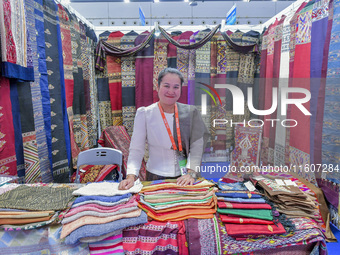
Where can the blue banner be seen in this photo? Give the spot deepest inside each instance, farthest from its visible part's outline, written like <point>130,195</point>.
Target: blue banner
<point>141,16</point>
<point>231,16</point>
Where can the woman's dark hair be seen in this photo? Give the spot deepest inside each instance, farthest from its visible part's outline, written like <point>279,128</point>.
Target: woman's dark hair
<point>170,70</point>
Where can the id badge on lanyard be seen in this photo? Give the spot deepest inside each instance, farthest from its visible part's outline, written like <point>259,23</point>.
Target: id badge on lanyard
<point>182,160</point>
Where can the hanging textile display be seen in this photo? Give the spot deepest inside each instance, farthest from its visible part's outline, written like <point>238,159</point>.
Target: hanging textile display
<point>85,108</point>
<point>318,37</point>
<point>183,64</point>
<point>115,80</point>
<point>191,71</point>
<point>299,141</point>
<point>172,50</point>
<point>267,152</point>
<point>65,28</point>
<point>60,166</point>
<point>292,44</point>
<point>128,82</point>
<point>280,132</point>
<point>104,104</point>
<point>144,71</point>
<point>91,113</point>
<point>7,149</point>
<point>277,41</point>
<point>159,62</point>
<point>202,73</point>
<point>330,131</point>
<point>16,62</point>
<point>19,150</point>
<point>78,105</point>
<point>321,99</point>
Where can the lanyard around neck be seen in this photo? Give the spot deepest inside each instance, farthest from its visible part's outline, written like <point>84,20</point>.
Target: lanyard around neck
<point>180,148</point>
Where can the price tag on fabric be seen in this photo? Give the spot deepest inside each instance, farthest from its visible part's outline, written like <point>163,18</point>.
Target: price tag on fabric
<point>249,186</point>
<point>280,182</point>
<point>290,183</point>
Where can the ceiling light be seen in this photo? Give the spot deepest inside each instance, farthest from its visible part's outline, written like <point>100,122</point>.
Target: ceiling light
<point>186,1</point>
<point>193,3</point>
<point>156,1</point>
<point>126,1</point>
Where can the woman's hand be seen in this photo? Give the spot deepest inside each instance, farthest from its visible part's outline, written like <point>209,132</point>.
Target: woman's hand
<point>186,179</point>
<point>128,182</point>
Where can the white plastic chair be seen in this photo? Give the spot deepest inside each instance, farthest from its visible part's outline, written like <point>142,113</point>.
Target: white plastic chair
<point>100,156</point>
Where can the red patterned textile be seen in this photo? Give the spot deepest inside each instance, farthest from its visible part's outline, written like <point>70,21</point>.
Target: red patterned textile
<point>299,140</point>
<point>144,72</point>
<point>114,70</point>
<point>243,206</point>
<point>241,230</point>
<point>159,62</point>
<point>117,137</point>
<point>247,146</point>
<point>155,238</point>
<point>68,75</point>
<point>268,98</point>
<point>183,64</point>
<point>239,220</point>
<point>8,163</point>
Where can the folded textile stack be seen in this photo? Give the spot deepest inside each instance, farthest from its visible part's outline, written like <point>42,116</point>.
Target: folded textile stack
<point>166,201</point>
<point>246,213</point>
<point>100,211</point>
<point>31,206</point>
<point>289,200</point>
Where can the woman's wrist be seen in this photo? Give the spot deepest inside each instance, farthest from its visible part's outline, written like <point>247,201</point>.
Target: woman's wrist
<point>131,176</point>
<point>192,173</point>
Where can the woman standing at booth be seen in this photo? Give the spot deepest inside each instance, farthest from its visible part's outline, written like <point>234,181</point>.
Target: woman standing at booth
<point>175,134</point>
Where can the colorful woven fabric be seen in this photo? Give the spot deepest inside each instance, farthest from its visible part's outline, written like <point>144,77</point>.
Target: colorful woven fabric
<point>318,38</point>
<point>183,64</point>
<point>257,214</point>
<point>241,230</point>
<point>115,80</point>
<point>59,139</point>
<point>300,135</point>
<point>330,145</point>
<point>243,220</point>
<point>7,141</point>
<point>280,132</point>
<point>36,198</point>
<point>109,245</point>
<point>94,220</point>
<point>243,206</point>
<point>16,60</point>
<point>102,229</point>
<point>210,237</point>
<point>117,137</point>
<point>144,72</point>
<point>155,238</point>
<point>247,146</point>
<point>128,82</point>
<point>321,100</point>
<point>159,63</point>
<point>39,240</point>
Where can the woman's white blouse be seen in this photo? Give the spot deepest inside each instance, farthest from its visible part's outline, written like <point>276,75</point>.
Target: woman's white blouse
<point>149,128</point>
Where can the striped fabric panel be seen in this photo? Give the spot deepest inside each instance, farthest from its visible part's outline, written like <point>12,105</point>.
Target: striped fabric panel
<point>110,245</point>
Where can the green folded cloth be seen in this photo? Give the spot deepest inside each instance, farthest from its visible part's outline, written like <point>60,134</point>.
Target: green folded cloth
<point>249,213</point>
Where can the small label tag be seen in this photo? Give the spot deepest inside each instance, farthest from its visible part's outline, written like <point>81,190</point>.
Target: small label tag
<point>290,183</point>
<point>280,182</point>
<point>249,186</point>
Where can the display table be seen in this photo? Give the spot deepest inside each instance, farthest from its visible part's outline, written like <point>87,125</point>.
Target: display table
<point>199,236</point>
